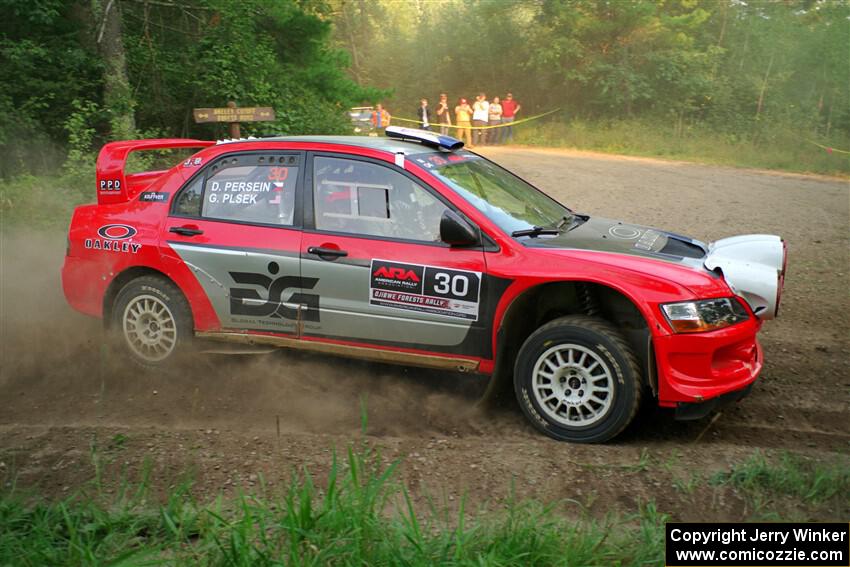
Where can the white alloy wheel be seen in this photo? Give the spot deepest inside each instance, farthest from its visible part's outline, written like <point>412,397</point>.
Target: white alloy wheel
<point>573,385</point>
<point>149,328</point>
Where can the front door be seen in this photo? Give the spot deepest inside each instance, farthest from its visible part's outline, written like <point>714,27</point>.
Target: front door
<point>235,226</point>
<point>382,274</point>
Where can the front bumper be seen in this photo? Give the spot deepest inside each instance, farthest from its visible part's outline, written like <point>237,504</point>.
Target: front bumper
<point>697,367</point>
<point>686,411</point>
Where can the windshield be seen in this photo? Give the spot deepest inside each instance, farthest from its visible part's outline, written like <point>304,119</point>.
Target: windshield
<point>506,199</point>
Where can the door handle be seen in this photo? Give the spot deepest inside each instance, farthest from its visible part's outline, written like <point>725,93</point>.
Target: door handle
<point>186,230</point>
<point>327,253</point>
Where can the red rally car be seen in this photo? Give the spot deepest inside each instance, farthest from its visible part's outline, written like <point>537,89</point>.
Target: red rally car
<point>411,250</point>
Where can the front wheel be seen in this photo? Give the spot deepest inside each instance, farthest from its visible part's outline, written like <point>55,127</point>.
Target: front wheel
<point>152,320</point>
<point>578,380</point>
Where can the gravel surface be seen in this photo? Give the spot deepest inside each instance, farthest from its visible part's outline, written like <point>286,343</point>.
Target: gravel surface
<point>248,422</point>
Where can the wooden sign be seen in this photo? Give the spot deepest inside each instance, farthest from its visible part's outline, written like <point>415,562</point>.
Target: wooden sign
<point>232,114</point>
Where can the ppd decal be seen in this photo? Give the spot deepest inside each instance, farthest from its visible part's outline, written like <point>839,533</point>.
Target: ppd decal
<point>114,238</point>
<point>248,302</point>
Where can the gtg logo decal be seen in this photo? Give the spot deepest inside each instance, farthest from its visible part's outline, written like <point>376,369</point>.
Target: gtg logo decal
<point>247,302</point>
<point>116,232</point>
<point>114,238</point>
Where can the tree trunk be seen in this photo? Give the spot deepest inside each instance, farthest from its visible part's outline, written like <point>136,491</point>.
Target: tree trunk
<point>829,119</point>
<point>352,42</point>
<point>117,94</point>
<point>764,87</point>
<point>725,11</point>
<point>744,50</point>
<point>722,35</point>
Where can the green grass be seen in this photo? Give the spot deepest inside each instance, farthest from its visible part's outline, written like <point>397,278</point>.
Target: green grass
<point>359,516</point>
<point>791,477</point>
<point>43,202</point>
<point>777,148</point>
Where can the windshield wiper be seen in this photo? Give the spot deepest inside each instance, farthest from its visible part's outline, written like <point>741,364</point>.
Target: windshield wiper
<point>535,231</point>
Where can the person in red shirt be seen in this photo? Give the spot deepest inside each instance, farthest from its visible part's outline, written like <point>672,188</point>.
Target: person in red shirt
<point>510,108</point>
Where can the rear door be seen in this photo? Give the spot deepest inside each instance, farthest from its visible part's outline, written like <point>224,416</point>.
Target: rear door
<point>384,278</point>
<point>237,226</point>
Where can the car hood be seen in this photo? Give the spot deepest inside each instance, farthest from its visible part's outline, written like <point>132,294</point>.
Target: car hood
<point>753,265</point>
<point>606,235</point>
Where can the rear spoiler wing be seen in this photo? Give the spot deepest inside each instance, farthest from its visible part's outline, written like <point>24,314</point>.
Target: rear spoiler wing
<point>113,185</point>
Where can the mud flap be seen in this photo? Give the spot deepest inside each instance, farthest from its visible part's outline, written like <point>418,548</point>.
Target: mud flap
<point>500,389</point>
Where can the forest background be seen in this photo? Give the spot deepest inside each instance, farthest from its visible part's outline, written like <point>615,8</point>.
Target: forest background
<point>751,83</point>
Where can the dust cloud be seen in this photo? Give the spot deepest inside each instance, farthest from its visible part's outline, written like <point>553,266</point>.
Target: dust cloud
<point>57,367</point>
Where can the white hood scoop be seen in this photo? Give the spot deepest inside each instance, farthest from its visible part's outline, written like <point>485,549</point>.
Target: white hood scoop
<point>754,267</point>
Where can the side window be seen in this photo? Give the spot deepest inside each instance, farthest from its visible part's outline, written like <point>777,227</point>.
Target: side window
<point>188,202</point>
<point>364,198</point>
<point>248,190</point>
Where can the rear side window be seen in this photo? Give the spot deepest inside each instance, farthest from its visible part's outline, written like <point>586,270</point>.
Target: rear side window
<point>262,193</point>
<point>188,202</point>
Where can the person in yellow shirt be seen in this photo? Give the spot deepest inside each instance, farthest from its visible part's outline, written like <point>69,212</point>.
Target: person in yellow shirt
<point>463,117</point>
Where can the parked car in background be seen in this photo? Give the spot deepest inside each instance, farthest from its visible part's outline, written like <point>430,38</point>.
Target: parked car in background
<point>361,119</point>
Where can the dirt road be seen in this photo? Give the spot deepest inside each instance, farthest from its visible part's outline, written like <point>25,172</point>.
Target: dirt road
<point>238,421</point>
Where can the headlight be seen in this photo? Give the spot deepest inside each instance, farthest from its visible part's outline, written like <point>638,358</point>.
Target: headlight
<point>707,315</point>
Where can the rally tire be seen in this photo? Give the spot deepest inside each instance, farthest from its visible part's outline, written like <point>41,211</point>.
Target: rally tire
<point>577,379</point>
<point>151,322</point>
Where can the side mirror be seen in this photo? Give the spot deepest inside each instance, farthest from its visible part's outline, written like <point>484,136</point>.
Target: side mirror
<point>454,230</point>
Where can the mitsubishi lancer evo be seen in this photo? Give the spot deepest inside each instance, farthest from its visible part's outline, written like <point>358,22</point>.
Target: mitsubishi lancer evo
<point>409,249</point>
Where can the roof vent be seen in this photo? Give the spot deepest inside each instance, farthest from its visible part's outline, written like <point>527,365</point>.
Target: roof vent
<point>424,137</point>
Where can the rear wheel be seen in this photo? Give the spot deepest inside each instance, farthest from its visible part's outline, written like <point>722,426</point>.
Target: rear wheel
<point>152,320</point>
<point>578,380</point>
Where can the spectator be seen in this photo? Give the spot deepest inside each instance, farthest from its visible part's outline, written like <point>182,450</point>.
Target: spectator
<point>424,114</point>
<point>510,108</point>
<point>463,114</point>
<point>495,118</point>
<point>480,115</point>
<point>380,118</point>
<point>444,116</point>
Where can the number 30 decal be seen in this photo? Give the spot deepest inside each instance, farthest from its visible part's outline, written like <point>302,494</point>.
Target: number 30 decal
<point>446,284</point>
<point>425,289</point>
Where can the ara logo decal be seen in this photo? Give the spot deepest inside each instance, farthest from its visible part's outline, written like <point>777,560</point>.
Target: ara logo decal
<point>114,238</point>
<point>248,302</point>
<point>396,274</point>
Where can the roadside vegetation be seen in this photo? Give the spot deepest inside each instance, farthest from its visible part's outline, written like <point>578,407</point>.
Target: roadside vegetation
<point>360,516</point>
<point>765,482</point>
<point>363,514</point>
<point>782,150</point>
<point>720,81</point>
<point>753,84</point>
